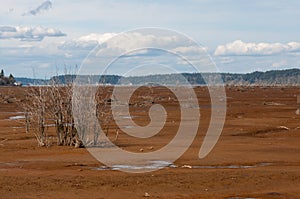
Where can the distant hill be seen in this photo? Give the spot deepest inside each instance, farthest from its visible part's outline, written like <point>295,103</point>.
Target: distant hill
<point>274,77</point>
<point>31,81</point>
<point>107,79</point>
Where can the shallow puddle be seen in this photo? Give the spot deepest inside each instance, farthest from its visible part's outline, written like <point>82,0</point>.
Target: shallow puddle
<point>153,165</point>
<point>18,117</point>
<point>231,166</point>
<point>128,127</point>
<point>239,198</point>
<point>166,164</point>
<point>12,112</point>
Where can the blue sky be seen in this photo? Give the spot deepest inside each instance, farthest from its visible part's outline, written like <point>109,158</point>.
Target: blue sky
<point>38,37</point>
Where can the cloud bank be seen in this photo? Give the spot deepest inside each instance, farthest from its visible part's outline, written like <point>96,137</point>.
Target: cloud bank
<point>24,33</point>
<point>121,42</point>
<point>87,42</point>
<point>241,48</point>
<point>43,7</point>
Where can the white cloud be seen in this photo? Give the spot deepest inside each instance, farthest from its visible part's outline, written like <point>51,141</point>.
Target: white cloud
<point>294,46</point>
<point>86,42</point>
<point>25,33</point>
<point>190,49</point>
<point>100,38</point>
<point>78,45</point>
<point>156,44</point>
<point>126,41</point>
<point>239,47</point>
<point>43,7</point>
<point>135,48</point>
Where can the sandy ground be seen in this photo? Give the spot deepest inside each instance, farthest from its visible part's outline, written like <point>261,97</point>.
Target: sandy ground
<point>254,158</point>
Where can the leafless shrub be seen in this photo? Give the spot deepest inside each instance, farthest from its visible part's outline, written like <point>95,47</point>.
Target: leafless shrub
<point>48,106</point>
<point>51,107</point>
<point>35,114</point>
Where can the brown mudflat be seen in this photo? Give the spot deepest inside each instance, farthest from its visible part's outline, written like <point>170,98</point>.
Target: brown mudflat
<point>257,156</point>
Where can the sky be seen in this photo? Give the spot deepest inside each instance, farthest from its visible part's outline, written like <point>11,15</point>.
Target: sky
<point>41,38</point>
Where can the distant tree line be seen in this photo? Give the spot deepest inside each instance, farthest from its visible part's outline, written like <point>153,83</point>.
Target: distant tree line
<point>274,77</point>
<point>6,81</point>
